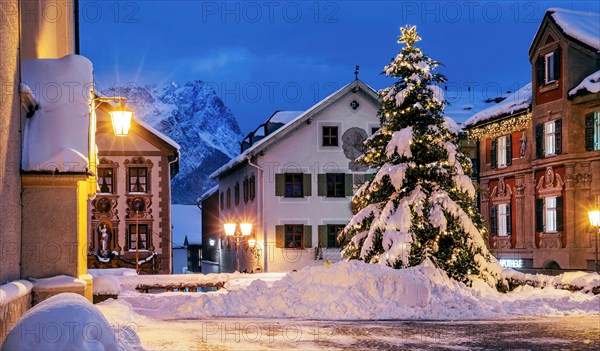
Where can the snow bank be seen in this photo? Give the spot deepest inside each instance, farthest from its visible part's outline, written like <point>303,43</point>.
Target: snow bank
<point>106,285</point>
<point>14,290</point>
<point>56,136</point>
<point>517,101</point>
<point>356,291</point>
<point>63,322</point>
<point>590,83</point>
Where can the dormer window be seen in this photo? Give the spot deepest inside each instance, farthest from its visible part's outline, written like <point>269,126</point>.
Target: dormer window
<point>549,68</point>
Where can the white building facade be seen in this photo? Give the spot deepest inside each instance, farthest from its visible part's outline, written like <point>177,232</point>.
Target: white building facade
<point>295,184</point>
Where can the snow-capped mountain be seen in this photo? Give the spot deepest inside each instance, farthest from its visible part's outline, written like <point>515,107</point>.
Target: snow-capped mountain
<point>196,118</point>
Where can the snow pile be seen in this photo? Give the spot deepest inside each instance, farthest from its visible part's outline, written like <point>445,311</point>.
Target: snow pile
<point>356,291</point>
<point>111,271</point>
<point>56,136</point>
<point>106,285</point>
<point>583,26</point>
<point>517,101</point>
<point>14,290</point>
<point>591,83</point>
<point>63,322</point>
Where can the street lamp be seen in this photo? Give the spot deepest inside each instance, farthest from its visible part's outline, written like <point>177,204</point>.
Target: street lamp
<point>120,116</point>
<point>231,230</point>
<point>595,223</point>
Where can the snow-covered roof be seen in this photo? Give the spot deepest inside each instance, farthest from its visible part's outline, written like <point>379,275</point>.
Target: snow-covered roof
<point>56,136</point>
<point>589,84</point>
<point>582,26</point>
<point>162,136</point>
<point>515,102</point>
<point>261,144</point>
<point>284,116</point>
<point>208,193</point>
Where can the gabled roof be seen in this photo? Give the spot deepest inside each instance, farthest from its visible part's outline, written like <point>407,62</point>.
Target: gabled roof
<point>208,193</point>
<point>300,121</point>
<point>581,27</point>
<point>516,102</point>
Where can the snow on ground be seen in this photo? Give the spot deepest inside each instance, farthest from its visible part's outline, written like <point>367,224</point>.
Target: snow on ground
<point>65,322</point>
<point>359,291</point>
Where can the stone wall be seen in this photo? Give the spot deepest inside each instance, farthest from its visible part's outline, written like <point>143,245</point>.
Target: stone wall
<point>12,309</point>
<point>10,148</point>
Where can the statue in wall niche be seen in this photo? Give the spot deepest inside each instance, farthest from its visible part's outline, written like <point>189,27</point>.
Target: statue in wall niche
<point>523,141</point>
<point>352,144</point>
<point>104,239</point>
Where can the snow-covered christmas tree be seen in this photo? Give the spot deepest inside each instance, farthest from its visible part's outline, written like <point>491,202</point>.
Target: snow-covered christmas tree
<point>421,203</point>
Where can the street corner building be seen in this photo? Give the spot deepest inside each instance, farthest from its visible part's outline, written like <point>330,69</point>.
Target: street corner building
<point>293,181</point>
<point>130,215</point>
<point>56,163</point>
<point>539,150</point>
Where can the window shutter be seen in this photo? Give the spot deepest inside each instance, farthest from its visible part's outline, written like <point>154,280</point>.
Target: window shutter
<point>493,152</point>
<point>307,236</point>
<point>589,132</point>
<point>369,177</point>
<point>323,235</point>
<point>557,64</point>
<point>539,215</point>
<point>279,184</point>
<point>280,236</point>
<point>306,185</point>
<point>559,214</point>
<point>348,184</point>
<point>509,149</point>
<point>322,184</point>
<point>508,220</point>
<point>558,136</point>
<point>540,70</point>
<point>493,221</point>
<point>539,141</point>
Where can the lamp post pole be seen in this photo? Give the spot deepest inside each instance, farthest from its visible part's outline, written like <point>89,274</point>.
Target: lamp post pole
<point>597,237</point>
<point>594,216</point>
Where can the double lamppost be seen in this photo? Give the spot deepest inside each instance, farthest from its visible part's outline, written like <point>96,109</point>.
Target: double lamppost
<point>594,216</point>
<point>233,230</point>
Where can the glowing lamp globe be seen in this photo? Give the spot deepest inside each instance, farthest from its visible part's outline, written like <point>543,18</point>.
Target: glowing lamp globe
<point>594,218</point>
<point>229,229</point>
<point>246,228</point>
<point>121,119</point>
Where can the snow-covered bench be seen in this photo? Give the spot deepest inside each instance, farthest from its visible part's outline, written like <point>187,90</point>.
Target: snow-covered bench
<point>187,286</point>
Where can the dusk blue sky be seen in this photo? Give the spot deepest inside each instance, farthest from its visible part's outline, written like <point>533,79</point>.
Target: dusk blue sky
<point>267,56</point>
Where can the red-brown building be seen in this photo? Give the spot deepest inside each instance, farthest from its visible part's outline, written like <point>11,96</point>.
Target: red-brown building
<point>539,150</point>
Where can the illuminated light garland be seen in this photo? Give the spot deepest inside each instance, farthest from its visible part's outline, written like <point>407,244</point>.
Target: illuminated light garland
<point>501,127</point>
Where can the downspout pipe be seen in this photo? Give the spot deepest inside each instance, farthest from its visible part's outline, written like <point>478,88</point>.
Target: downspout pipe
<point>260,205</point>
